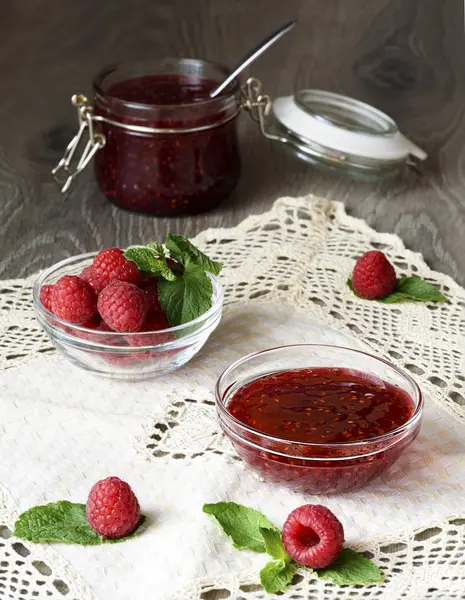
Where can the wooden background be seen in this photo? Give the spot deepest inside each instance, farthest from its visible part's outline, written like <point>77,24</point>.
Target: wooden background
<point>404,56</point>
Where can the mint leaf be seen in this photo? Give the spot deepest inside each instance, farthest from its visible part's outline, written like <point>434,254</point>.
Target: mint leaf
<point>241,523</point>
<point>277,575</point>
<point>419,289</point>
<point>395,298</point>
<point>150,261</point>
<point>187,254</point>
<point>409,289</point>
<point>56,522</point>
<point>61,521</point>
<point>157,248</point>
<point>273,543</point>
<point>186,298</point>
<point>350,568</point>
<point>351,287</point>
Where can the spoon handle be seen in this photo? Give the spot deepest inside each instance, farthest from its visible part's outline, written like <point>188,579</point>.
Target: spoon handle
<point>252,55</point>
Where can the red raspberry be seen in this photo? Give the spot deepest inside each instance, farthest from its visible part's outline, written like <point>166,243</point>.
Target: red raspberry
<point>373,276</point>
<point>313,536</point>
<point>126,360</point>
<point>97,283</point>
<point>73,300</point>
<point>175,266</point>
<point>151,291</point>
<point>154,322</point>
<point>112,265</point>
<point>123,306</point>
<point>96,325</point>
<point>112,508</point>
<point>46,296</point>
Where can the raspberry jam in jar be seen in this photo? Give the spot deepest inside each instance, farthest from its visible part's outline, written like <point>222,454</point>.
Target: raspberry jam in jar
<point>321,429</point>
<point>169,148</point>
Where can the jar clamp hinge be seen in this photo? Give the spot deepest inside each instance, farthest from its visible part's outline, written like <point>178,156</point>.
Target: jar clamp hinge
<point>259,106</point>
<point>63,173</point>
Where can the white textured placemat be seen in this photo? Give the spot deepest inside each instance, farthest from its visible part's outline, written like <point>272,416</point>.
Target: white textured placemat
<point>62,429</point>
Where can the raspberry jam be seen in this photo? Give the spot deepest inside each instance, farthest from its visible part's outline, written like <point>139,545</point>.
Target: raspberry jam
<point>191,163</point>
<point>317,429</point>
<point>321,406</point>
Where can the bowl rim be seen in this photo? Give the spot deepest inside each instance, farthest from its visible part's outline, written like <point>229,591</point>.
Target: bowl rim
<point>218,297</point>
<point>412,421</point>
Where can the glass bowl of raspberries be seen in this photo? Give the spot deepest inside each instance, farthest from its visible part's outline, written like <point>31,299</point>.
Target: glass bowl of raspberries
<point>122,318</point>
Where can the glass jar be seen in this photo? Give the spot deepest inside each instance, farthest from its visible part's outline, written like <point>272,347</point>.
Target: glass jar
<point>169,149</point>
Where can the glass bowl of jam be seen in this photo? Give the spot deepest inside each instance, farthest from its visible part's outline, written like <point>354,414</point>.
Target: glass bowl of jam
<point>125,356</point>
<point>318,419</point>
<point>169,149</point>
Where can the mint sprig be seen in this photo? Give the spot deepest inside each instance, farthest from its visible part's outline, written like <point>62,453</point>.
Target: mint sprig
<point>187,297</point>
<point>273,542</point>
<point>418,289</point>
<point>409,289</point>
<point>249,529</point>
<point>351,567</point>
<point>241,523</point>
<point>157,248</point>
<point>184,289</point>
<point>62,521</point>
<point>277,575</point>
<point>151,261</point>
<point>187,254</point>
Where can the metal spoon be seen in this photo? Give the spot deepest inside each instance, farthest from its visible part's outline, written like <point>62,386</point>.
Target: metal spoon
<point>252,55</point>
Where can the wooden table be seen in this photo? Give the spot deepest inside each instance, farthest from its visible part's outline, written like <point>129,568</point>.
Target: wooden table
<point>404,56</point>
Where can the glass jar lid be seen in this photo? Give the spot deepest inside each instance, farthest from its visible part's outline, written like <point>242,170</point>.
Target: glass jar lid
<point>342,132</point>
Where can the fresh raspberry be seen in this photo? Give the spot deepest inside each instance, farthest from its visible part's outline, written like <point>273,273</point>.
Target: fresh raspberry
<point>46,296</point>
<point>123,306</point>
<point>95,326</point>
<point>313,536</point>
<point>96,323</point>
<point>126,360</point>
<point>112,508</point>
<point>73,299</point>
<point>175,266</point>
<point>112,265</point>
<point>153,323</point>
<point>98,283</point>
<point>153,303</point>
<point>373,276</point>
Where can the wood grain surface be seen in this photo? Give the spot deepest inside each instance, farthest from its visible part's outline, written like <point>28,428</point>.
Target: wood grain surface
<point>404,56</point>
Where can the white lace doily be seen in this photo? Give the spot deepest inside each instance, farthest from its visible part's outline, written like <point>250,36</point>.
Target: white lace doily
<point>62,429</point>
